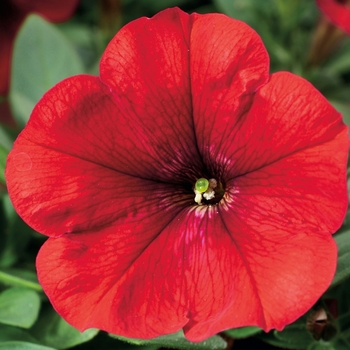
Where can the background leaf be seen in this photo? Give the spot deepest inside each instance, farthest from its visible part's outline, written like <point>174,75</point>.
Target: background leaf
<point>10,333</point>
<point>42,57</point>
<point>322,346</point>
<point>19,307</point>
<point>3,156</point>
<point>178,341</point>
<point>243,332</point>
<point>344,109</point>
<point>343,266</point>
<point>5,138</point>
<point>17,235</point>
<point>18,345</point>
<point>294,336</point>
<point>20,278</point>
<point>53,330</point>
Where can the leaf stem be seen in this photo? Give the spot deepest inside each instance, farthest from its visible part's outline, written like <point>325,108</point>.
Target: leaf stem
<point>11,280</point>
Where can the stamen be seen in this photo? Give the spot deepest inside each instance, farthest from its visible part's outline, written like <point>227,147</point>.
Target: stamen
<point>209,194</point>
<point>198,197</point>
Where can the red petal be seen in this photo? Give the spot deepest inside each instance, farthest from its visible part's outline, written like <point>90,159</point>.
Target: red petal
<point>337,13</point>
<point>307,188</point>
<point>126,279</point>
<point>226,71</point>
<point>274,273</point>
<point>280,257</point>
<point>64,173</point>
<point>82,118</point>
<point>153,287</point>
<point>279,218</point>
<point>206,270</point>
<point>56,193</point>
<point>146,66</point>
<point>287,115</point>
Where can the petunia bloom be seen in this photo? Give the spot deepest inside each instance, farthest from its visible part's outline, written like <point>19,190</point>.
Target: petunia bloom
<point>337,12</point>
<point>108,167</point>
<point>13,13</point>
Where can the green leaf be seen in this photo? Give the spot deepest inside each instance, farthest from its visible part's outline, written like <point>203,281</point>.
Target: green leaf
<point>272,340</point>
<point>341,344</point>
<point>9,333</point>
<point>20,278</point>
<point>339,63</point>
<point>343,267</point>
<point>239,9</point>
<point>6,137</point>
<point>19,307</point>
<point>344,109</point>
<point>52,330</point>
<point>3,223</point>
<point>19,345</point>
<point>344,325</point>
<point>295,336</point>
<point>22,105</point>
<point>42,57</point>
<point>243,332</point>
<point>17,238</point>
<point>281,25</point>
<point>3,156</point>
<point>321,345</point>
<point>342,341</point>
<point>178,341</point>
<point>341,292</point>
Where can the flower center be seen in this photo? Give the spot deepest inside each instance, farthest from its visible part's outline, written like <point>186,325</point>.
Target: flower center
<point>208,191</point>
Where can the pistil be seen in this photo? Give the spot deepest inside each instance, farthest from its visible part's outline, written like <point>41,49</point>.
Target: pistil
<point>204,188</point>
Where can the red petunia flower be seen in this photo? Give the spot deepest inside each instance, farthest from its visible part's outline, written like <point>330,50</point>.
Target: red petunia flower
<point>337,12</point>
<point>107,167</point>
<point>13,13</point>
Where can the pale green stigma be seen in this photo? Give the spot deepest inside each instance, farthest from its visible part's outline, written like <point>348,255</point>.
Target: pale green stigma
<point>204,188</point>
<point>201,185</point>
